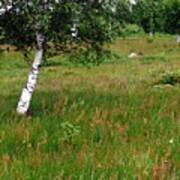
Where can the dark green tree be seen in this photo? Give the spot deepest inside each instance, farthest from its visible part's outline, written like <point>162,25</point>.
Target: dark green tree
<point>149,15</point>
<point>172,16</point>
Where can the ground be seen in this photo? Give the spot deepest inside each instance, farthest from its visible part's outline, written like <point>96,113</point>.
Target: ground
<point>118,120</point>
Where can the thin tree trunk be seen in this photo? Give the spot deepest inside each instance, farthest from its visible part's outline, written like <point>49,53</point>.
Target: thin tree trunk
<point>151,35</point>
<point>27,92</point>
<point>178,38</point>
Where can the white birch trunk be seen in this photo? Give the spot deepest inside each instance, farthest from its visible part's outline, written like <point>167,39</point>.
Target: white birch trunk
<point>178,38</point>
<point>27,92</point>
<point>151,34</point>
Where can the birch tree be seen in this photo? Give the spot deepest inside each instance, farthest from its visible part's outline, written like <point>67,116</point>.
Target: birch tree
<point>33,23</point>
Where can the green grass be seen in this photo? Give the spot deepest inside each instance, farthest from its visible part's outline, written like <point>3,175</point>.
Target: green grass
<point>112,121</point>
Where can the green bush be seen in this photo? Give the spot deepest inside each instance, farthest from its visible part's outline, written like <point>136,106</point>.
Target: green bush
<point>132,29</point>
<point>91,57</point>
<point>171,78</point>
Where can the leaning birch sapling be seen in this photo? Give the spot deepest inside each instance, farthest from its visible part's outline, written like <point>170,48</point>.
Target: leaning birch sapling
<point>24,102</point>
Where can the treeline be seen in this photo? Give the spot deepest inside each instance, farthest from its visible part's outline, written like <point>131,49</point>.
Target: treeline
<point>157,15</point>
<point>88,24</point>
<point>96,21</point>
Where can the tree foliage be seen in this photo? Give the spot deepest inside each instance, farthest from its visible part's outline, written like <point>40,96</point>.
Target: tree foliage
<point>172,16</point>
<point>94,21</point>
<point>157,15</point>
<point>148,14</point>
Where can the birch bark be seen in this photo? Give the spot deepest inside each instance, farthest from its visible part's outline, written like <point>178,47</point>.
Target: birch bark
<point>178,38</point>
<point>27,92</point>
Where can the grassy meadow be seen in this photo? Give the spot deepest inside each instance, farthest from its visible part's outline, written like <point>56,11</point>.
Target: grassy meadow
<point>118,120</point>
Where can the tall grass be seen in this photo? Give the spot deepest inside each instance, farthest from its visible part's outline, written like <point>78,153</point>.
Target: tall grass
<point>106,122</point>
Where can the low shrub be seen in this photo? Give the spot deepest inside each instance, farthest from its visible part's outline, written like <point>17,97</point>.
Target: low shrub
<point>171,78</point>
<point>132,29</point>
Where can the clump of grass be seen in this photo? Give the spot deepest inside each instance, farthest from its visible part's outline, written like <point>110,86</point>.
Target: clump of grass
<point>69,131</point>
<point>154,58</point>
<point>171,78</point>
